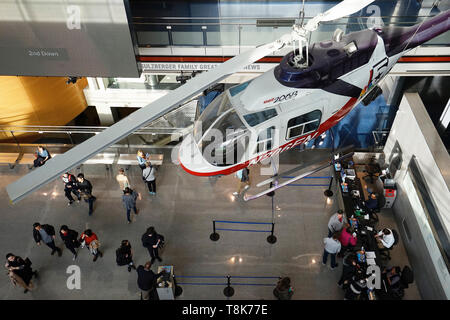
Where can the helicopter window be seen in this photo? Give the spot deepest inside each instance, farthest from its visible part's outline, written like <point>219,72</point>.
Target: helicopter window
<point>226,142</point>
<point>240,87</point>
<point>303,124</point>
<point>256,118</point>
<point>265,140</point>
<point>215,109</point>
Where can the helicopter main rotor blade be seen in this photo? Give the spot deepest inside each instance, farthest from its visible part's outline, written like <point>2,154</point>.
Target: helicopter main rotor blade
<point>340,10</point>
<point>84,151</point>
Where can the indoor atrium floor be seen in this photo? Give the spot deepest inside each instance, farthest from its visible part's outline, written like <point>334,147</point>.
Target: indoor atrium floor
<point>182,211</point>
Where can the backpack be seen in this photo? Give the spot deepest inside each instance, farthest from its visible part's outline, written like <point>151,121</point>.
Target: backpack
<point>120,258</point>
<point>161,241</point>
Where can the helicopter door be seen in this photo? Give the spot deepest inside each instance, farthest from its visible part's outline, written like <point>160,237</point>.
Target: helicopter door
<point>265,140</point>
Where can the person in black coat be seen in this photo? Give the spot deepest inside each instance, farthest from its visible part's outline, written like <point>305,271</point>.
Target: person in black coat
<point>46,234</point>
<point>151,240</point>
<point>124,255</point>
<point>70,186</point>
<point>350,267</point>
<point>85,188</point>
<point>20,271</point>
<point>70,239</point>
<point>147,281</point>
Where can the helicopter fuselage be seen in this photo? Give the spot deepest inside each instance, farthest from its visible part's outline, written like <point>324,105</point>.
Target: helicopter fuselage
<point>288,106</point>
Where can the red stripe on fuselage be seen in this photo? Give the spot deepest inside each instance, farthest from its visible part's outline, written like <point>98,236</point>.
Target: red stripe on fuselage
<point>333,120</point>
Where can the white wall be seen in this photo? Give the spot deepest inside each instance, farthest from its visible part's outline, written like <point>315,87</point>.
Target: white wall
<point>417,136</point>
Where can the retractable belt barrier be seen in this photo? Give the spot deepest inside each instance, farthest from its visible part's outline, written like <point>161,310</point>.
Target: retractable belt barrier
<point>215,236</point>
<point>327,193</point>
<point>228,291</point>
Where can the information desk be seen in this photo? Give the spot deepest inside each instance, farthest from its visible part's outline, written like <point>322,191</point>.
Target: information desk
<point>352,196</point>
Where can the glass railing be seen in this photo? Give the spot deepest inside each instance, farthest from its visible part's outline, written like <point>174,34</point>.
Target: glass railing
<point>164,130</point>
<point>254,32</point>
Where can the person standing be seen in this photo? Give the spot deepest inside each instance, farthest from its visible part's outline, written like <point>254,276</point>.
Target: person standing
<point>332,247</point>
<point>283,290</point>
<point>151,240</point>
<point>347,238</point>
<point>70,239</point>
<point>147,280</point>
<point>142,159</point>
<point>349,269</point>
<point>42,155</point>
<point>70,186</point>
<point>129,201</point>
<point>124,255</point>
<point>90,240</point>
<point>20,271</point>
<point>46,234</point>
<point>122,179</point>
<point>149,177</point>
<point>244,180</point>
<point>85,188</point>
<point>336,222</point>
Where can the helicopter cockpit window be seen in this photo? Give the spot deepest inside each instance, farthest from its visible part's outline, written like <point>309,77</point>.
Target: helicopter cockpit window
<point>350,48</point>
<point>240,87</point>
<point>213,111</point>
<point>303,124</point>
<point>256,118</point>
<point>227,140</point>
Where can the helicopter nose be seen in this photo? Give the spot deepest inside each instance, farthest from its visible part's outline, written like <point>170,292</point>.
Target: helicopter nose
<point>190,157</point>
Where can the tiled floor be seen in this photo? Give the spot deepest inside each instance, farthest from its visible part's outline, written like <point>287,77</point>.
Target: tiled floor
<point>182,211</point>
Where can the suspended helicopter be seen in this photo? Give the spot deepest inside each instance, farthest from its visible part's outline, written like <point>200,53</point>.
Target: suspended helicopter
<point>310,91</point>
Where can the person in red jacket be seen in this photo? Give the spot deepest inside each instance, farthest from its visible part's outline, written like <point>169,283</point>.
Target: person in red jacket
<point>347,238</point>
<point>90,240</point>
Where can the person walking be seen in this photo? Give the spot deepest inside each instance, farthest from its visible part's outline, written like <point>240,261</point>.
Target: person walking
<point>146,280</point>
<point>336,223</point>
<point>124,255</point>
<point>122,179</point>
<point>70,186</point>
<point>46,234</point>
<point>85,188</point>
<point>142,159</point>
<point>332,247</point>
<point>151,240</point>
<point>244,180</point>
<point>129,201</point>
<point>70,239</point>
<point>148,175</point>
<point>20,271</point>
<point>90,240</point>
<point>283,290</point>
<point>42,155</point>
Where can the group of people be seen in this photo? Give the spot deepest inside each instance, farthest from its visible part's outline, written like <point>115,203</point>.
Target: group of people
<point>340,242</point>
<point>21,273</point>
<point>80,187</point>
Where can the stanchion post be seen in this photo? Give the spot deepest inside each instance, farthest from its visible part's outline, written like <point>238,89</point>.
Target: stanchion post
<point>214,236</point>
<point>228,291</point>
<point>272,239</point>
<point>328,193</point>
<point>178,289</point>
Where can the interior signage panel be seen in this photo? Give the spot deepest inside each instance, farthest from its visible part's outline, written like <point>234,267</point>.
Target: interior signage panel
<point>66,38</point>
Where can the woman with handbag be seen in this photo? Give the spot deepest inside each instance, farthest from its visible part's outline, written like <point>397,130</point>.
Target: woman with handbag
<point>148,175</point>
<point>89,239</point>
